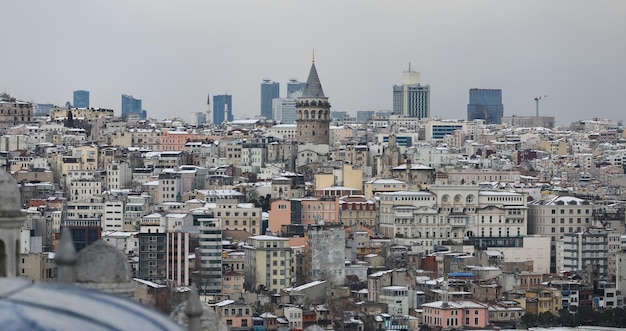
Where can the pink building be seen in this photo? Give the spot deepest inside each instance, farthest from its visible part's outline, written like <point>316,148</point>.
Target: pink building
<point>279,215</point>
<point>456,315</point>
<point>326,209</point>
<point>237,315</point>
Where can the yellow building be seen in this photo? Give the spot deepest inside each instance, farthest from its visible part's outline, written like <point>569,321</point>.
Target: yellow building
<point>558,147</point>
<point>540,300</point>
<point>267,263</point>
<point>324,180</point>
<point>88,114</point>
<point>352,178</point>
<point>383,185</point>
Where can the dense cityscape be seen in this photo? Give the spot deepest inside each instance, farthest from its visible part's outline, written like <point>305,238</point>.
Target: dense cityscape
<point>308,218</point>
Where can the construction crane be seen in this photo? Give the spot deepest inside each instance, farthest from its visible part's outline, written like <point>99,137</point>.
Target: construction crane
<point>537,102</point>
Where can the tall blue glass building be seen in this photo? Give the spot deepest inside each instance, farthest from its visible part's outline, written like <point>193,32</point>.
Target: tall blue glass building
<point>295,87</point>
<point>269,90</point>
<point>485,104</point>
<point>219,101</point>
<point>81,99</point>
<point>132,106</point>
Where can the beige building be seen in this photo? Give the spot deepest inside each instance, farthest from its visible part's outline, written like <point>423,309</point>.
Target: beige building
<point>375,186</point>
<point>267,263</point>
<point>38,267</point>
<point>452,213</point>
<point>14,112</point>
<point>238,216</point>
<point>232,283</point>
<point>88,114</point>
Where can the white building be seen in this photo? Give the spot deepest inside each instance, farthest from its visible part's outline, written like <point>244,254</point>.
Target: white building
<point>451,213</point>
<point>396,298</point>
<point>119,175</point>
<point>113,218</point>
<point>585,251</point>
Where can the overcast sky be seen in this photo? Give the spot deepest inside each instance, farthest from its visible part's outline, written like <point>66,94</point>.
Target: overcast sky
<point>171,54</point>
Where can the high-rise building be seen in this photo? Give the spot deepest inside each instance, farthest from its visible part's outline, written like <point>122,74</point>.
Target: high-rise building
<point>269,90</point>
<point>284,110</point>
<point>313,112</point>
<point>81,99</point>
<point>295,88</point>
<point>411,98</point>
<point>222,104</point>
<point>131,106</point>
<point>485,104</point>
<point>210,250</point>
<point>363,116</point>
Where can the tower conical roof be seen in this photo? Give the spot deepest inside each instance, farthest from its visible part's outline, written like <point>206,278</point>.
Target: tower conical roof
<point>313,87</point>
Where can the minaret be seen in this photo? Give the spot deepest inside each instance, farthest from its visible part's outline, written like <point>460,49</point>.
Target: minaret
<point>226,110</point>
<point>209,119</point>
<point>11,222</point>
<point>313,111</point>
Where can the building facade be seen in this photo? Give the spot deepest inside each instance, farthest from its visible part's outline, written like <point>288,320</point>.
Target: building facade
<point>269,90</point>
<point>485,104</point>
<point>222,109</point>
<point>267,263</point>
<point>411,98</point>
<point>131,107</point>
<point>81,99</point>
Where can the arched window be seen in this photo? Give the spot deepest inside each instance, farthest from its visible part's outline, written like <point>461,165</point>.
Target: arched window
<point>306,114</point>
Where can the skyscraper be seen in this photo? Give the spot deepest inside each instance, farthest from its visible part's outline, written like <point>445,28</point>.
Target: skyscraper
<point>313,112</point>
<point>485,104</point>
<point>81,99</point>
<point>295,88</point>
<point>269,90</point>
<point>219,103</point>
<point>411,98</point>
<point>131,106</point>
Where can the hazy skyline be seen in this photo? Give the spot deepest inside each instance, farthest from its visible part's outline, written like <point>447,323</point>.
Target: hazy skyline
<point>171,54</point>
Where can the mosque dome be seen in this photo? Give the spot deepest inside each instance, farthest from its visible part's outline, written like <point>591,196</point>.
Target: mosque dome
<point>210,321</point>
<point>103,267</point>
<point>28,306</point>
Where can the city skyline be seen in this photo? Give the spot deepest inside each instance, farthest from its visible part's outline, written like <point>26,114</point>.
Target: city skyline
<point>174,55</point>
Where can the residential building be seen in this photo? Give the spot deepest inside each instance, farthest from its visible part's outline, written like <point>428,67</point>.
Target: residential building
<point>152,255</point>
<point>235,314</point>
<point>557,216</point>
<point>14,112</point>
<point>267,263</point>
<point>585,251</point>
<point>396,298</point>
<point>486,105</point>
<point>239,216</point>
<point>210,251</point>
<point>456,314</point>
